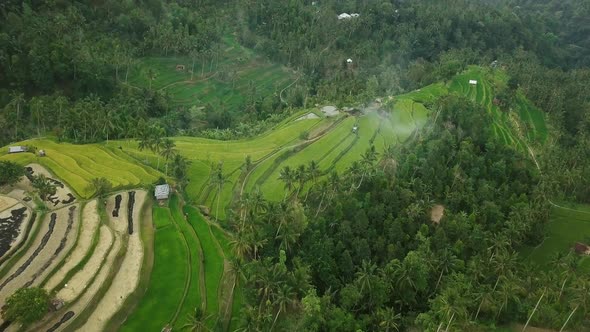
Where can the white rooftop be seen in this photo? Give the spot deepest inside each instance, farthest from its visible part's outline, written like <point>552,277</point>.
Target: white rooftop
<point>15,149</point>
<point>162,190</point>
<point>473,82</point>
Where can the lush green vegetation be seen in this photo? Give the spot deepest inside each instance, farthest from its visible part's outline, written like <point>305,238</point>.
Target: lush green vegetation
<point>330,226</point>
<point>167,280</point>
<point>567,226</point>
<point>78,165</point>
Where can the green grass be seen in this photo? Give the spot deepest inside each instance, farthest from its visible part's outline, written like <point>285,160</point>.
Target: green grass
<point>566,227</point>
<point>77,165</point>
<point>213,259</point>
<point>161,217</point>
<point>166,285</point>
<point>232,77</point>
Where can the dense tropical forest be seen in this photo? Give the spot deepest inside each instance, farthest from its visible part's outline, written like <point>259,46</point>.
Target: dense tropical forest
<point>448,210</point>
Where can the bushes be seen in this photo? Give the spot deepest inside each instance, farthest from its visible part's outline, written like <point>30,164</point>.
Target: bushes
<point>26,306</point>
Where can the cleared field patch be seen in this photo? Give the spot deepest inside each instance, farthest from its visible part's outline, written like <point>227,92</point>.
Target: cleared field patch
<point>78,283</point>
<point>568,224</point>
<point>49,248</point>
<point>77,165</point>
<point>89,225</point>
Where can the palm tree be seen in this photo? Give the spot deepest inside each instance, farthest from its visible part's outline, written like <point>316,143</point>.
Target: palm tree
<point>447,261</point>
<point>301,177</point>
<point>509,291</point>
<point>151,76</point>
<point>36,104</point>
<point>287,235</point>
<point>18,99</point>
<point>534,310</point>
<point>388,160</point>
<point>156,133</point>
<point>503,262</point>
<point>288,177</point>
<point>388,319</point>
<point>241,245</point>
<point>313,170</point>
<point>365,275</point>
<point>197,322</point>
<point>168,151</point>
<point>107,122</point>
<point>580,298</point>
<point>283,298</point>
<point>218,180</point>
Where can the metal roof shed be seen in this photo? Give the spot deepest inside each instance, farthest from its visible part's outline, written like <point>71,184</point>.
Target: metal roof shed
<point>162,192</point>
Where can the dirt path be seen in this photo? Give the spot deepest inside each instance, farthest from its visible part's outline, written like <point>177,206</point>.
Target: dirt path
<point>127,278</point>
<point>282,149</point>
<point>90,222</point>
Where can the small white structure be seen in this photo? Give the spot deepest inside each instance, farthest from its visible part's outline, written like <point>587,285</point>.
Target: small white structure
<point>42,153</point>
<point>355,129</point>
<point>162,192</point>
<point>17,149</point>
<point>349,61</point>
<point>330,111</point>
<point>345,16</point>
<point>473,82</point>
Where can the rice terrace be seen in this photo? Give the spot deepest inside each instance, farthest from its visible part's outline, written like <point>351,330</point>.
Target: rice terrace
<point>110,262</point>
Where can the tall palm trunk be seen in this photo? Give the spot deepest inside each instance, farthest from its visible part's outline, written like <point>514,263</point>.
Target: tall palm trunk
<point>568,318</point>
<point>217,208</point>
<point>275,320</point>
<point>532,313</point>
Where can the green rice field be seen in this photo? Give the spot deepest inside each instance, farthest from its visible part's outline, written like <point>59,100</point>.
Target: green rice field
<point>227,78</point>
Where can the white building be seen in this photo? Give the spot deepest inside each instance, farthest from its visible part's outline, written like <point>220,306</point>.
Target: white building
<point>344,16</point>
<point>17,149</point>
<point>162,192</point>
<point>473,82</point>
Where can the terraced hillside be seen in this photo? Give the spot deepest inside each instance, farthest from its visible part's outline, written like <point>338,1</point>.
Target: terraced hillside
<point>226,78</point>
<point>77,165</point>
<point>331,143</point>
<point>189,271</point>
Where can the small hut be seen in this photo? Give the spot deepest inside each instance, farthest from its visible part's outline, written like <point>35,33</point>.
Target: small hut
<point>472,82</point>
<point>180,67</point>
<point>42,153</point>
<point>17,149</point>
<point>437,213</point>
<point>162,192</point>
<point>582,249</point>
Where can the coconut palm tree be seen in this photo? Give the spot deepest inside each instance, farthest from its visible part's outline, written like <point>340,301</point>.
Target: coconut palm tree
<point>301,177</point>
<point>168,151</point>
<point>197,322</point>
<point>313,170</point>
<point>388,319</point>
<point>218,180</point>
<point>283,298</point>
<point>509,291</point>
<point>365,275</point>
<point>580,298</point>
<point>288,177</point>
<point>18,100</point>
